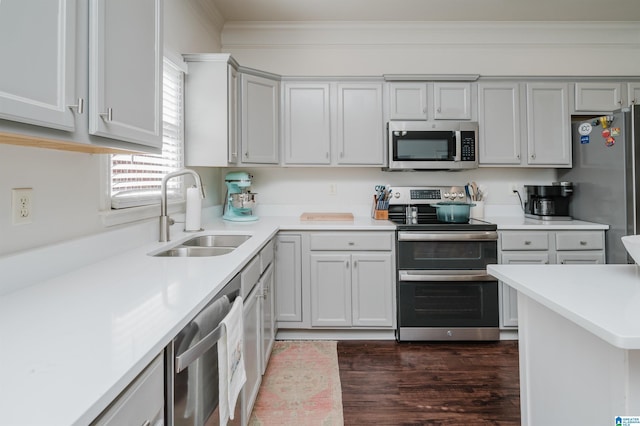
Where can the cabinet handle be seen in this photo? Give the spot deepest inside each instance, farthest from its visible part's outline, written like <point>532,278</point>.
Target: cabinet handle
<point>351,243</point>
<point>107,116</point>
<point>355,263</point>
<point>518,156</point>
<point>79,106</point>
<point>327,155</point>
<point>439,109</point>
<point>342,155</point>
<point>527,243</point>
<point>533,156</point>
<point>347,263</point>
<point>246,154</point>
<point>146,423</point>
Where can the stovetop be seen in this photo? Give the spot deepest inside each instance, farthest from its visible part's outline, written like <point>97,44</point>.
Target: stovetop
<point>423,200</point>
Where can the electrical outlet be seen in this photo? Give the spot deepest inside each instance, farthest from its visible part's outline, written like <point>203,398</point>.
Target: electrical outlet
<point>513,187</point>
<point>22,205</point>
<point>333,188</point>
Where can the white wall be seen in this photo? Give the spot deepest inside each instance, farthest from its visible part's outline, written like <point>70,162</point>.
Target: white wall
<point>67,185</point>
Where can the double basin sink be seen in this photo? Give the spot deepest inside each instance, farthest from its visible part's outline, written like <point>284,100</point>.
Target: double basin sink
<point>205,245</point>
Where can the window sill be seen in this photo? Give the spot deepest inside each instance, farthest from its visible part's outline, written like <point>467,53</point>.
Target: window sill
<point>114,217</point>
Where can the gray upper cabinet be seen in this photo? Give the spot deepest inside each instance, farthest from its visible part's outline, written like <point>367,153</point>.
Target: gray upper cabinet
<point>125,70</point>
<point>37,77</point>
<point>633,91</point>
<point>360,124</point>
<point>524,124</point>
<point>499,123</point>
<point>333,123</point>
<point>307,123</point>
<point>260,106</point>
<point>431,101</point>
<point>211,110</point>
<point>597,97</point>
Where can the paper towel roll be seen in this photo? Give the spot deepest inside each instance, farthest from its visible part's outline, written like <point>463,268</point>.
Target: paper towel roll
<point>194,209</point>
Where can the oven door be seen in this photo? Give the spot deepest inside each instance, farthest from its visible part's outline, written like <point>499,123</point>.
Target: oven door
<point>447,250</point>
<point>446,305</point>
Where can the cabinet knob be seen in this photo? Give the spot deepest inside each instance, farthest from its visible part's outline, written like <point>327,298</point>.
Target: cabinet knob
<point>107,116</point>
<point>533,156</point>
<point>246,154</point>
<point>79,106</point>
<point>583,243</point>
<point>527,243</point>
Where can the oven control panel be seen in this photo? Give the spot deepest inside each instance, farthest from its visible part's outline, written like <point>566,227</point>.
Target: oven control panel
<point>427,195</point>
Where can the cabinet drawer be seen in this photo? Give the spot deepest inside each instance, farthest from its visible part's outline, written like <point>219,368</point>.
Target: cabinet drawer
<point>351,241</point>
<point>580,258</point>
<point>524,240</point>
<point>141,402</point>
<point>266,256</point>
<point>579,240</point>
<point>250,276</point>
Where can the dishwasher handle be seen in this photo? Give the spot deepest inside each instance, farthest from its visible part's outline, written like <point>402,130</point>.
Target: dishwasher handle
<point>417,276</point>
<point>190,355</point>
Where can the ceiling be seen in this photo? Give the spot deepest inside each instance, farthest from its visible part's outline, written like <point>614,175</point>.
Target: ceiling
<point>428,10</point>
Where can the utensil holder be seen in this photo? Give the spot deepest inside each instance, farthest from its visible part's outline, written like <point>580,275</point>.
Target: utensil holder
<point>378,214</point>
<point>477,211</point>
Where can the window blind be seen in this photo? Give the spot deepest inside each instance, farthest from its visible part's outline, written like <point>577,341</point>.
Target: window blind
<point>136,178</point>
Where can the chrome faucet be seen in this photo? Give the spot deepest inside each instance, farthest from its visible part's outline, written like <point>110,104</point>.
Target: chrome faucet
<point>165,220</point>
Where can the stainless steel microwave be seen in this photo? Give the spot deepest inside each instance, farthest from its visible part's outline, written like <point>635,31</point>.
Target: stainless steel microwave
<point>432,145</point>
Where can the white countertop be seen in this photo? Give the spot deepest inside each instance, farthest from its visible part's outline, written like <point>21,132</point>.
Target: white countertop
<point>603,299</point>
<point>72,342</point>
<point>525,223</point>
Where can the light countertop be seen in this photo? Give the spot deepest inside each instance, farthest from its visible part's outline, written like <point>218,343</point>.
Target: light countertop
<point>524,223</point>
<point>603,299</point>
<point>73,341</point>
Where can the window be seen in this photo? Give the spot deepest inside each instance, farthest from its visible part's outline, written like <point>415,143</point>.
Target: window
<point>136,178</point>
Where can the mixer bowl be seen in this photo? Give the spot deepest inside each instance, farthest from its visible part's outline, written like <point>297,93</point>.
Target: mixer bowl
<point>243,200</point>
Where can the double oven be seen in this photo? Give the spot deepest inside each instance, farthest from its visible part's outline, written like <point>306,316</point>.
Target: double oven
<point>443,289</point>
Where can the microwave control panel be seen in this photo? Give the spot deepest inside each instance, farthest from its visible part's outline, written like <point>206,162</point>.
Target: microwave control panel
<point>468,146</point>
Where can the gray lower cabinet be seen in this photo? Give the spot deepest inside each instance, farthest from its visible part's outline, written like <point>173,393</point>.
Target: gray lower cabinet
<point>544,247</point>
<point>252,324</point>
<point>288,278</point>
<point>141,403</point>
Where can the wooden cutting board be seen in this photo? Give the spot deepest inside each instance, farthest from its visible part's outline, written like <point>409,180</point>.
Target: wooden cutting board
<point>325,216</point>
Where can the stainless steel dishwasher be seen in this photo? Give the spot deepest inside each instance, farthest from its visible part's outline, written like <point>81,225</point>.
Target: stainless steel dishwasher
<point>192,365</point>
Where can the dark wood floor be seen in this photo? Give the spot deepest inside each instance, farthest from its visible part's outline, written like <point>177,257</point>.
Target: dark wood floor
<point>429,383</point>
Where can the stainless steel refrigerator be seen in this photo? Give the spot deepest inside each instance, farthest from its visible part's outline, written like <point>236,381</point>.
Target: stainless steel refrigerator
<point>605,176</point>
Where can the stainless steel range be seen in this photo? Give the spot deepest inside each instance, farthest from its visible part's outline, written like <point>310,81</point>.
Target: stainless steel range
<point>443,289</point>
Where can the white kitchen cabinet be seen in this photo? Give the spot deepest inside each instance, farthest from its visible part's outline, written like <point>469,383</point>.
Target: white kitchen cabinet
<point>543,135</point>
<point>431,101</point>
<point>597,97</point>
<point>548,125</point>
<point>499,123</point>
<point>211,110</point>
<point>633,93</point>
<point>125,70</point>
<point>360,124</point>
<point>141,403</point>
<point>38,45</point>
<point>307,123</point>
<point>268,317</point>
<point>252,339</point>
<point>288,278</point>
<point>333,123</point>
<point>351,279</point>
<point>260,122</point>
<point>544,247</point>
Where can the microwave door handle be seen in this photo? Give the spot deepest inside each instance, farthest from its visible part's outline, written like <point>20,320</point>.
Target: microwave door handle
<point>457,157</point>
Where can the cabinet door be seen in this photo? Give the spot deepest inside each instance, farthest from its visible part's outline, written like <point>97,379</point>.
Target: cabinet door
<point>125,70</point>
<point>37,77</point>
<point>598,97</point>
<point>499,123</point>
<point>372,290</point>
<point>330,290</point>
<point>580,257</point>
<point>548,125</point>
<point>408,101</point>
<point>360,124</point>
<point>633,93</point>
<point>233,88</point>
<point>252,323</point>
<point>509,296</point>
<point>307,123</point>
<point>452,101</point>
<point>288,278</point>
<point>260,105</point>
<point>268,319</point>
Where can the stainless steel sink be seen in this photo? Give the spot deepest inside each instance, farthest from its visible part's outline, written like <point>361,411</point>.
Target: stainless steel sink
<point>182,251</point>
<point>216,241</point>
<point>205,245</point>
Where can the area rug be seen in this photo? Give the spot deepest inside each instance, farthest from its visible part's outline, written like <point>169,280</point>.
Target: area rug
<point>301,386</point>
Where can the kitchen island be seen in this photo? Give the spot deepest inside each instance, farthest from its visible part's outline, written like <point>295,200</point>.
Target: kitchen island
<point>579,341</point>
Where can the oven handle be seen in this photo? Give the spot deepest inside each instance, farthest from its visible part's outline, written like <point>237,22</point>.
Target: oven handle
<point>447,236</point>
<point>413,276</point>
